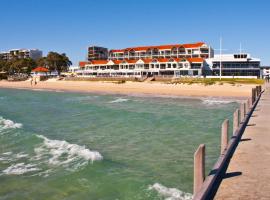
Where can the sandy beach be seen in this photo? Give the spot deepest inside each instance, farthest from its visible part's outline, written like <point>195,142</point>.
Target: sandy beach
<point>144,88</point>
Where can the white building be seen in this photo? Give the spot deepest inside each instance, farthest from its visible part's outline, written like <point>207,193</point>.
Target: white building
<point>234,65</point>
<point>265,71</point>
<point>21,53</point>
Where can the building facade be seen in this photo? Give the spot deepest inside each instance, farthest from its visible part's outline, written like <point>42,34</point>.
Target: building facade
<point>21,53</point>
<point>234,65</point>
<point>97,53</point>
<point>265,71</point>
<point>164,60</point>
<point>196,59</point>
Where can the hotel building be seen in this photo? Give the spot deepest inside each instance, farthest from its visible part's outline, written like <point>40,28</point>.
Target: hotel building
<point>21,53</point>
<point>196,59</point>
<point>173,60</point>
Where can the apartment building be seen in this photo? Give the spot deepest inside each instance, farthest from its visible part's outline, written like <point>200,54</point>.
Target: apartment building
<point>165,60</point>
<point>97,53</point>
<point>21,53</point>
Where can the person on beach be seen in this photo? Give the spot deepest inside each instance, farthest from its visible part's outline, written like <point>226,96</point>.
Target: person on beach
<point>35,80</point>
<point>31,81</point>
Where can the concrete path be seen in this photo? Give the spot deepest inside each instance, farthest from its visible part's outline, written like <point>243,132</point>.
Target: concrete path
<point>248,174</point>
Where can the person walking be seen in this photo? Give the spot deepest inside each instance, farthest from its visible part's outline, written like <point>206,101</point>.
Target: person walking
<point>31,80</point>
<point>35,80</point>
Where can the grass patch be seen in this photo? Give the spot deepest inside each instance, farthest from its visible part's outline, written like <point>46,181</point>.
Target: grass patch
<point>212,81</point>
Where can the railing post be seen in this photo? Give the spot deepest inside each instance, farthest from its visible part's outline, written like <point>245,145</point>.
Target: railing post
<point>224,136</point>
<point>242,114</point>
<point>248,104</point>
<point>235,121</point>
<point>245,109</point>
<point>199,168</point>
<point>253,95</point>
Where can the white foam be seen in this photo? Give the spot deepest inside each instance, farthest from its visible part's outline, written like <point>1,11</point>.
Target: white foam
<point>6,124</point>
<point>119,100</point>
<point>170,193</point>
<point>20,168</point>
<point>216,101</point>
<point>62,152</point>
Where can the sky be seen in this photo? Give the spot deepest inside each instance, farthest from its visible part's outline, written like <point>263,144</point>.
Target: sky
<point>70,26</point>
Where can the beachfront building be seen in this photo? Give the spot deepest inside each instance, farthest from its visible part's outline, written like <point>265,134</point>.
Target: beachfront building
<point>145,67</point>
<point>97,53</point>
<point>194,50</point>
<point>265,71</point>
<point>241,64</point>
<point>196,59</point>
<point>163,60</point>
<point>21,53</point>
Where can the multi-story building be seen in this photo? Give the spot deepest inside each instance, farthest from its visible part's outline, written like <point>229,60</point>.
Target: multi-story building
<point>234,65</point>
<point>173,60</point>
<point>195,50</point>
<point>97,53</point>
<point>21,53</point>
<point>195,59</point>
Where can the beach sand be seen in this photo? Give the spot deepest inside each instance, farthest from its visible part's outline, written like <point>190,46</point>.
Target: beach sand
<point>143,88</point>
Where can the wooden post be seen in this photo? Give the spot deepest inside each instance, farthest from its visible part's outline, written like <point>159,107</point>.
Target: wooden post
<point>242,114</point>
<point>257,91</point>
<point>249,103</point>
<point>253,95</point>
<point>245,109</point>
<point>224,135</point>
<point>235,121</point>
<point>199,168</point>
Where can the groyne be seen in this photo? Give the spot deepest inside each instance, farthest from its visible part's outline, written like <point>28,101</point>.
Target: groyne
<point>205,187</point>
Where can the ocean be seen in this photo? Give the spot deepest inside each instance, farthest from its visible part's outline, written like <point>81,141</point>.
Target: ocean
<point>58,145</point>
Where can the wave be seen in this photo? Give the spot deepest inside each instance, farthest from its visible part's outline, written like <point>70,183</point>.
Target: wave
<point>7,124</point>
<point>216,101</point>
<point>62,152</point>
<point>20,168</point>
<point>119,100</point>
<point>170,193</point>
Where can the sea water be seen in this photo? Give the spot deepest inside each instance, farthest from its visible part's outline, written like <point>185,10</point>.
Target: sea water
<point>56,145</point>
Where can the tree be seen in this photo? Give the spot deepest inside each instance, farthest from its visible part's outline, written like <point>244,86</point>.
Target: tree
<point>58,62</point>
<point>42,62</point>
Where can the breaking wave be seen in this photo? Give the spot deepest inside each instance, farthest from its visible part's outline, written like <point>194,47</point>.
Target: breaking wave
<point>170,193</point>
<point>216,101</point>
<point>6,124</point>
<point>20,168</point>
<point>119,100</point>
<point>62,152</point>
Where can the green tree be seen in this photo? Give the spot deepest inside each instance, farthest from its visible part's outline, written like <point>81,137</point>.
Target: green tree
<point>58,62</point>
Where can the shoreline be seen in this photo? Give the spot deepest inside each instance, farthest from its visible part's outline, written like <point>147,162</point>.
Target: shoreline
<point>153,89</point>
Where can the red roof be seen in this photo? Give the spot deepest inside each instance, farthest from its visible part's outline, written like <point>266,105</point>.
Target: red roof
<point>40,69</point>
<point>160,47</point>
<point>117,62</point>
<point>163,60</point>
<point>147,60</point>
<point>83,63</point>
<point>100,62</point>
<point>194,60</point>
<point>131,61</point>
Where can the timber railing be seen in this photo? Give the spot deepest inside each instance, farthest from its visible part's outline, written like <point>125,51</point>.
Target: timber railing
<point>205,188</point>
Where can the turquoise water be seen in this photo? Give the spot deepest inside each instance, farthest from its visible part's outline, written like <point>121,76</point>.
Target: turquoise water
<point>56,145</point>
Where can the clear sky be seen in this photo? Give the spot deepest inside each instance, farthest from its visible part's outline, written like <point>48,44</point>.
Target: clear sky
<point>71,25</point>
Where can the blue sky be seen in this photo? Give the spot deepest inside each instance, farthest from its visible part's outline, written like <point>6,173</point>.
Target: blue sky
<point>71,25</point>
